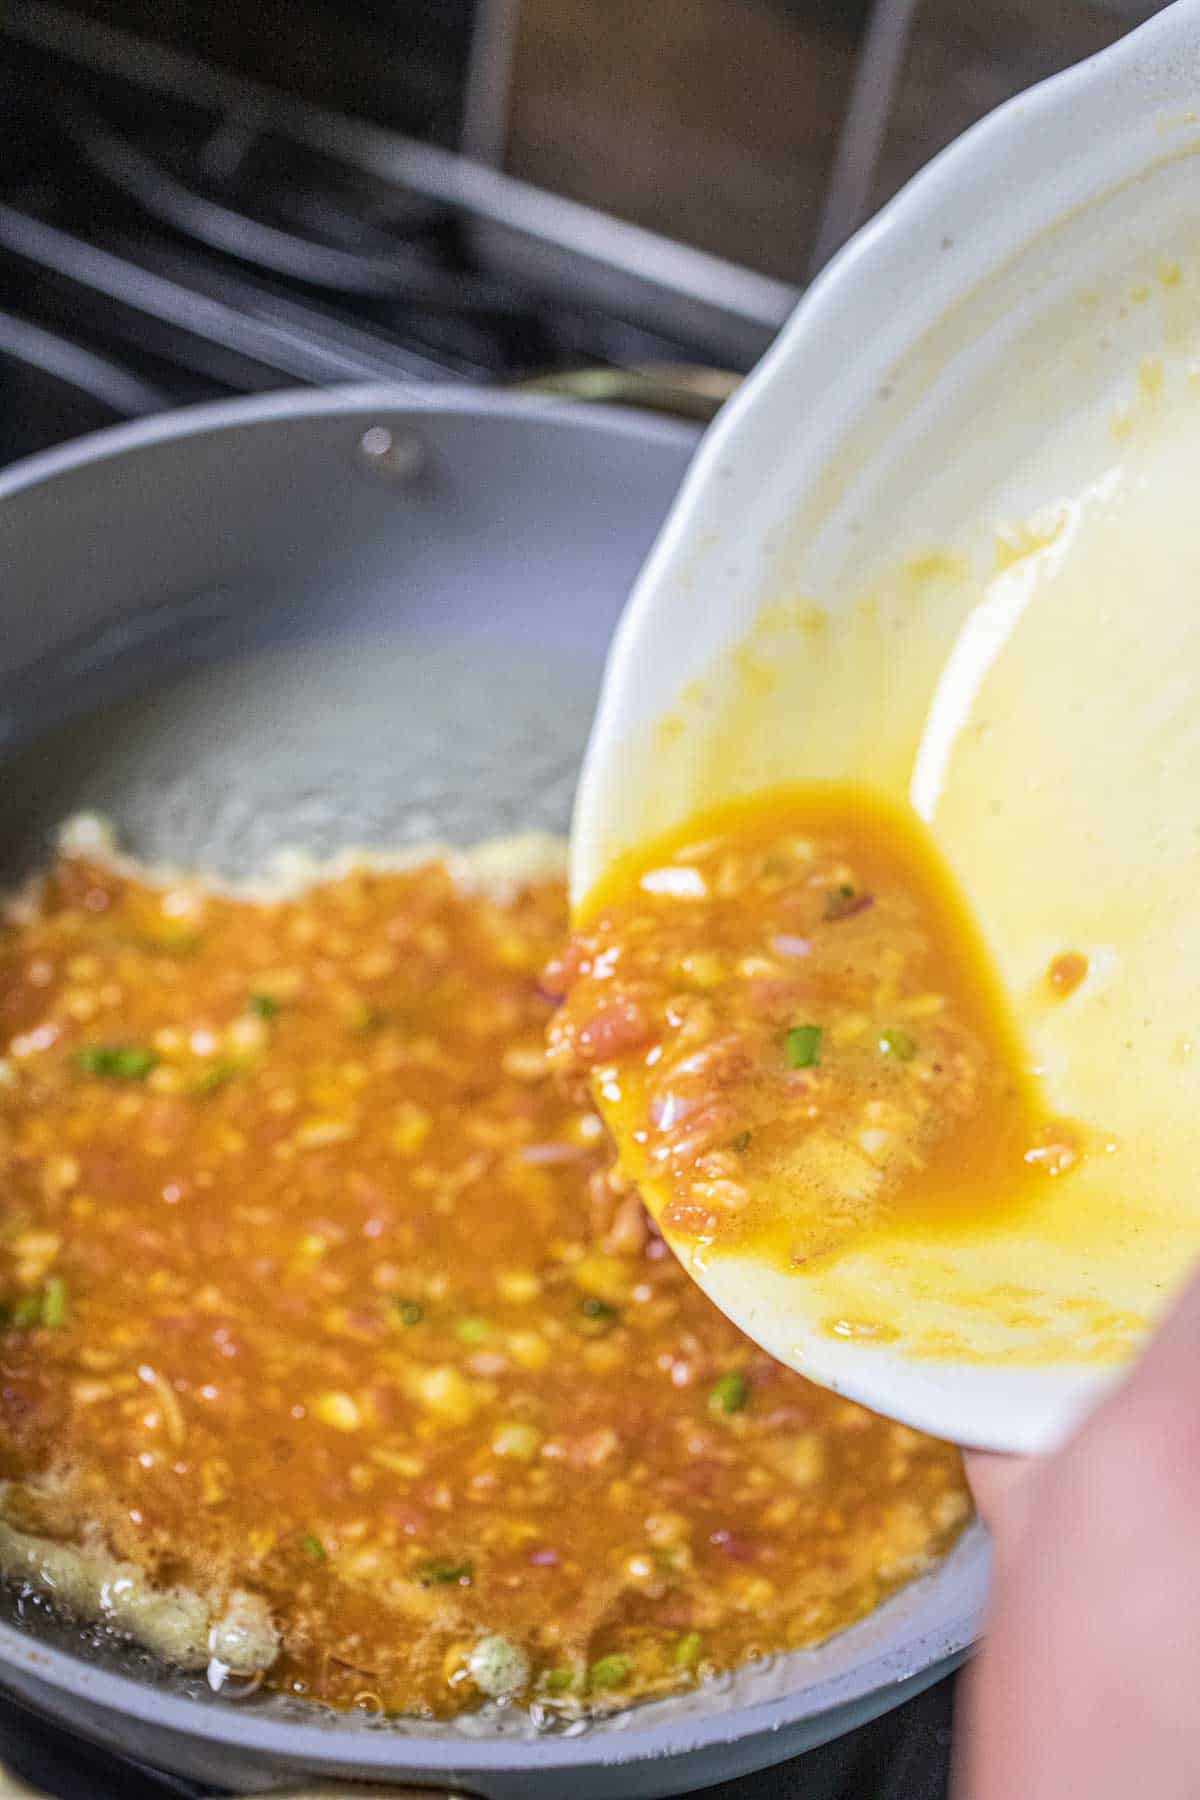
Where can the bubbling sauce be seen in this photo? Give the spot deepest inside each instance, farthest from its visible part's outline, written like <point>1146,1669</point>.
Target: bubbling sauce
<point>327,1317</point>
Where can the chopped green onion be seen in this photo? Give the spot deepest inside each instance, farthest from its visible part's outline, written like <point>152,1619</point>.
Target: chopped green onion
<point>124,1062</point>
<point>611,1671</point>
<point>219,1076</point>
<point>49,1307</point>
<point>171,942</point>
<point>803,1046</point>
<point>729,1394</point>
<point>409,1312</point>
<point>557,1681</point>
<point>741,1142</point>
<point>54,1303</point>
<point>440,1571</point>
<point>898,1044</point>
<point>314,1548</point>
<point>687,1650</point>
<point>599,1312</point>
<point>498,1667</point>
<point>472,1331</point>
<point>26,1310</point>
<point>369,1018</point>
<point>265,1005</point>
<point>674,1561</point>
<point>517,1440</point>
<point>841,902</point>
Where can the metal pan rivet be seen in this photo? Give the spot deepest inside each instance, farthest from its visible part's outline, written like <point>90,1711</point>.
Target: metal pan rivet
<point>395,457</point>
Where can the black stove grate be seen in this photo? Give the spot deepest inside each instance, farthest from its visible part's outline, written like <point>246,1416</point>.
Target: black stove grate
<point>171,233</point>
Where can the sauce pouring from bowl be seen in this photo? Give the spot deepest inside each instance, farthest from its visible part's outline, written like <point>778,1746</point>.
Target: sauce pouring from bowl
<point>986,634</point>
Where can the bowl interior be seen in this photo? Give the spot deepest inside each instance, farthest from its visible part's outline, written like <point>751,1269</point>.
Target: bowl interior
<point>939,546</point>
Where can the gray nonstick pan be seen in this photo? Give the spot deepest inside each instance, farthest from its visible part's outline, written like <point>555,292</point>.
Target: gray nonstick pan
<point>367,616</point>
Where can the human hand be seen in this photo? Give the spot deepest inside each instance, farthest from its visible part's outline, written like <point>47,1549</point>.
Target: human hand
<point>1088,1679</point>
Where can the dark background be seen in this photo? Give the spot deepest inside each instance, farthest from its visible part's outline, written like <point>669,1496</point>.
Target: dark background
<point>714,121</point>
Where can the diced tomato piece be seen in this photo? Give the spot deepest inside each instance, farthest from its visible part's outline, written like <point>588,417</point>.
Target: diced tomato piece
<point>614,1029</point>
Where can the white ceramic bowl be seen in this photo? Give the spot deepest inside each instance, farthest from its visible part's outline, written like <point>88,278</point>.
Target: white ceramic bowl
<point>969,452</point>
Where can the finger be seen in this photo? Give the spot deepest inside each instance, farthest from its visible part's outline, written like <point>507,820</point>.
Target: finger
<point>1176,1342</point>
<point>999,1485</point>
<point>1148,1426</point>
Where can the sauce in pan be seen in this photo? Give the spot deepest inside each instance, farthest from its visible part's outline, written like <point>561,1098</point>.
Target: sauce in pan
<point>327,1320</point>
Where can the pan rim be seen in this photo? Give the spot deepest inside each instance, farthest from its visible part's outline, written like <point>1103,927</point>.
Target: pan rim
<point>867,1690</point>
<point>458,399</point>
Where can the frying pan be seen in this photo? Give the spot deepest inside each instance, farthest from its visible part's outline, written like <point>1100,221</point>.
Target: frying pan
<point>366,616</point>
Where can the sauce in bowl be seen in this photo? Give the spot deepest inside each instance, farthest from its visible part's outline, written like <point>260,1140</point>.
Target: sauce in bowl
<point>795,1035</point>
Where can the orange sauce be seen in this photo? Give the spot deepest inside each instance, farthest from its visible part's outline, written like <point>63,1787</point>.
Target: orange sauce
<point>814,1042</point>
<point>317,1284</point>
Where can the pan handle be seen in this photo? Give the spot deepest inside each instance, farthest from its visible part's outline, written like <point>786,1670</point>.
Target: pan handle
<point>680,390</point>
<point>13,1789</point>
<point>355,1790</point>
